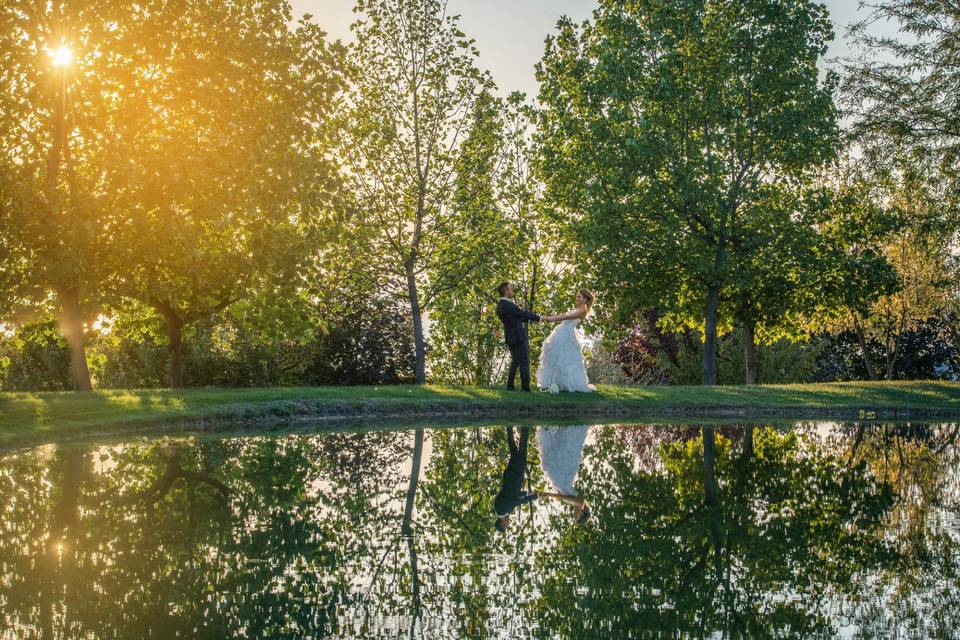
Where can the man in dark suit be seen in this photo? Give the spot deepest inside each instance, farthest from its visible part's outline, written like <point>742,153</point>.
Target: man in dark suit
<point>511,493</point>
<point>515,321</point>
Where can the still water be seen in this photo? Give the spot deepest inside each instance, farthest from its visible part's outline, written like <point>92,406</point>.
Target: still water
<point>811,530</point>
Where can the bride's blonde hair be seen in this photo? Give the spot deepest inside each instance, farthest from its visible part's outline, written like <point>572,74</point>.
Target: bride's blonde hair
<point>588,297</point>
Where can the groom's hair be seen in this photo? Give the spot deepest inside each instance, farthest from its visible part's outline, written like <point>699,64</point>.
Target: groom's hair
<point>503,288</point>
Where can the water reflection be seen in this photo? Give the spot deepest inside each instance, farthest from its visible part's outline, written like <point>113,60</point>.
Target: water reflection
<point>561,451</point>
<point>816,530</point>
<point>512,493</point>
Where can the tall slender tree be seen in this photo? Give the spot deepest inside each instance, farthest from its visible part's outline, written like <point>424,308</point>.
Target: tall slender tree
<point>499,200</point>
<point>415,87</point>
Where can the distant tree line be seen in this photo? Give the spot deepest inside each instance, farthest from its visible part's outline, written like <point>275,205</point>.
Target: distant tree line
<point>221,195</point>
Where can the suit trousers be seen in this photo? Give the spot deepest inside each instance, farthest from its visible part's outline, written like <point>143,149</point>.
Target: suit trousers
<point>519,359</point>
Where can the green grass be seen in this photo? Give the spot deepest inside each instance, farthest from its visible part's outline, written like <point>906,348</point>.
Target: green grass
<point>28,418</point>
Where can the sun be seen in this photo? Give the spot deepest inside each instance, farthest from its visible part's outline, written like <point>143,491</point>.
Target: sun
<point>61,56</point>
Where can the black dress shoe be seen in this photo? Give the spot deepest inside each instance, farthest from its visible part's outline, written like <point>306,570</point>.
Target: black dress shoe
<point>511,388</point>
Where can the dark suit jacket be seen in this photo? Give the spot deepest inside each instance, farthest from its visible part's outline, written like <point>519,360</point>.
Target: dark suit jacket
<point>511,493</point>
<point>514,321</point>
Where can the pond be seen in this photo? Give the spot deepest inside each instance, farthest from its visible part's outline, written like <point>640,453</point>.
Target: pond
<point>816,530</point>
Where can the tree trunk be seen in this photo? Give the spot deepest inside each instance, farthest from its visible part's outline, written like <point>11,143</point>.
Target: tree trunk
<point>420,369</point>
<point>533,287</point>
<point>709,460</point>
<point>750,352</point>
<point>406,528</point>
<point>175,349</point>
<point>66,510</point>
<point>68,470</point>
<point>71,319</point>
<point>710,337</point>
<point>59,141</point>
<point>867,360</point>
<point>893,353</point>
<point>71,325</point>
<point>480,376</point>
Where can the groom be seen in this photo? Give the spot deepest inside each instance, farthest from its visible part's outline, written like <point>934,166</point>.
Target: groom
<point>514,321</point>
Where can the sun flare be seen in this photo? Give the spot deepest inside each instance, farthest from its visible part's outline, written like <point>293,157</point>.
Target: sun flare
<point>61,56</point>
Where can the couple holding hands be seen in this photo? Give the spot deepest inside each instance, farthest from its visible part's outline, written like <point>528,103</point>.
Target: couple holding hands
<point>562,367</point>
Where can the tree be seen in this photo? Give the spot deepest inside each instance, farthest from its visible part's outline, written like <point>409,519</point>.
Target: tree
<point>664,128</point>
<point>497,192</point>
<point>774,258</point>
<point>888,271</point>
<point>463,317</point>
<point>411,110</point>
<point>245,204</point>
<point>921,261</point>
<point>60,81</point>
<point>903,92</point>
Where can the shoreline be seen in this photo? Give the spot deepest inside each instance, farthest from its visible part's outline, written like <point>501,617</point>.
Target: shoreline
<point>40,418</point>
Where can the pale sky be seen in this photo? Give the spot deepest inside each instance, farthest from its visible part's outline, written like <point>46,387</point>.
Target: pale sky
<point>510,33</point>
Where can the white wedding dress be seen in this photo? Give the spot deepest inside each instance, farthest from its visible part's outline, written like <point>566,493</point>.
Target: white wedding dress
<point>561,361</point>
<point>561,449</point>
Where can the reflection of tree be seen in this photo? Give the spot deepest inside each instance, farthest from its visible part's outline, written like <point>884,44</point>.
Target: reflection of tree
<point>175,471</point>
<point>446,574</point>
<point>69,469</point>
<point>406,529</point>
<point>783,529</point>
<point>272,559</point>
<point>645,441</point>
<point>920,461</point>
<point>481,574</point>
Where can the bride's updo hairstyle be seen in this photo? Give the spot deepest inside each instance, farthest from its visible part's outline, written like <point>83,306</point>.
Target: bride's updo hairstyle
<point>586,295</point>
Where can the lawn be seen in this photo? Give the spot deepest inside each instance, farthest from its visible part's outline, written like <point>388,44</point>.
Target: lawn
<point>27,418</point>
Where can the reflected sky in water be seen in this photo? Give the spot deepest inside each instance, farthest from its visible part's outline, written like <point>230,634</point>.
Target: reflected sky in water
<point>812,530</point>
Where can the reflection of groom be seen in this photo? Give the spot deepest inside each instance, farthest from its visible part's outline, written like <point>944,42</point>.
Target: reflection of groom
<point>515,321</point>
<point>511,493</point>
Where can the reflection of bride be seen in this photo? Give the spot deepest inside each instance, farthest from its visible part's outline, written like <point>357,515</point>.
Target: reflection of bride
<point>561,449</point>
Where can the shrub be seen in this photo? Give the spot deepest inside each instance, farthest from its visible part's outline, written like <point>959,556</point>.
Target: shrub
<point>370,342</point>
<point>35,358</point>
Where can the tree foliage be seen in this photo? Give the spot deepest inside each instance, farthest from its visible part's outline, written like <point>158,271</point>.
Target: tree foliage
<point>58,215</point>
<point>497,181</point>
<point>248,199</point>
<point>901,89</point>
<point>668,129</point>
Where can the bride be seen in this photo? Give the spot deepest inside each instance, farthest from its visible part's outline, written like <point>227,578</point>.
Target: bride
<point>561,362</point>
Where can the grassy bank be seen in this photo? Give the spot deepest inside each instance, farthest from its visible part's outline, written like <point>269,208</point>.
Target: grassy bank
<point>28,418</point>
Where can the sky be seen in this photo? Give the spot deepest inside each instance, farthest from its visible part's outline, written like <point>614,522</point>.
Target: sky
<point>510,33</point>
